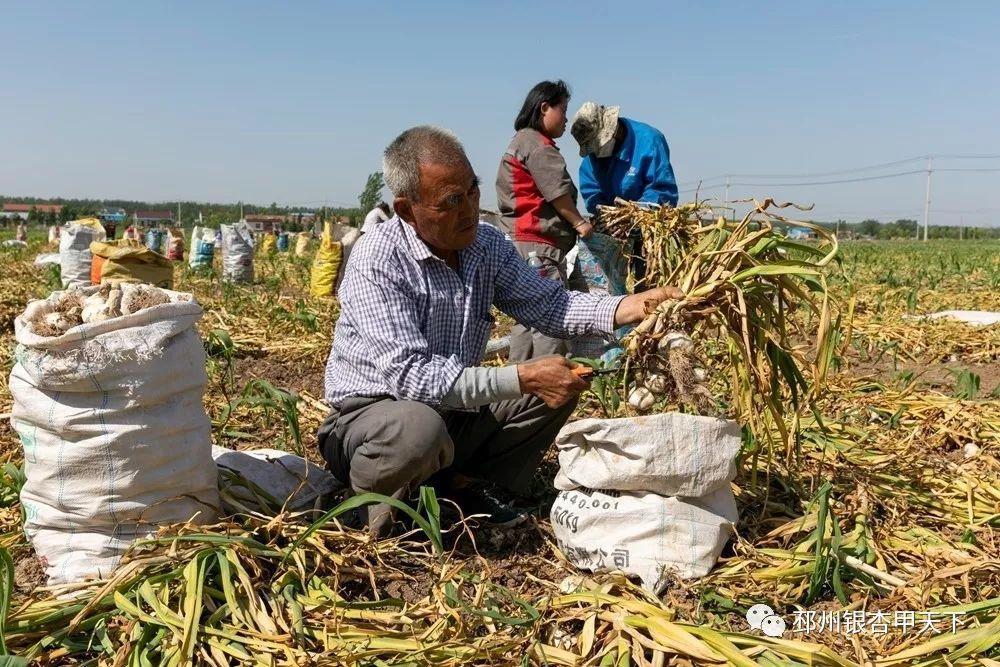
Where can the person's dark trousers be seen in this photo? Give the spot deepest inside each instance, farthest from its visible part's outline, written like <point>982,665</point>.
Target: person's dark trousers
<point>637,264</point>
<point>391,447</point>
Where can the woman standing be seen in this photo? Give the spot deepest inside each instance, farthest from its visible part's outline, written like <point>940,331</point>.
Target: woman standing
<point>537,201</point>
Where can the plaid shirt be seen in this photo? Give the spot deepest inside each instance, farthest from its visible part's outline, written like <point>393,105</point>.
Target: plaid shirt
<point>409,324</point>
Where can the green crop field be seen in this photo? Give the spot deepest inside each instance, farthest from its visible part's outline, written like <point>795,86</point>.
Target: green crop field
<point>887,502</point>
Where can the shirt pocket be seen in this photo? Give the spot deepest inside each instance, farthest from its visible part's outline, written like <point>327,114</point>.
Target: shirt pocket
<point>477,334</point>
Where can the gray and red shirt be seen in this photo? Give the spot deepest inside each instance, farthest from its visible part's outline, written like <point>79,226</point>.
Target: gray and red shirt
<point>532,174</point>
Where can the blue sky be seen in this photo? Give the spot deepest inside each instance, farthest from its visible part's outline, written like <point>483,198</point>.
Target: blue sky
<point>293,102</point>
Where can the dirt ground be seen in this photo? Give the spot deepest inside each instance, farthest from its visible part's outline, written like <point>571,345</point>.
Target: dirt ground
<point>938,377</point>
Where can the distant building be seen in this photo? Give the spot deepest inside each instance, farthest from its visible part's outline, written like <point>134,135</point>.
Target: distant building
<point>113,215</point>
<point>801,233</point>
<point>264,223</point>
<point>15,210</point>
<point>153,218</point>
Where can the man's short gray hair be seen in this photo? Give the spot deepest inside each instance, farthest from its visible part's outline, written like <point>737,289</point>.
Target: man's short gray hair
<point>424,144</point>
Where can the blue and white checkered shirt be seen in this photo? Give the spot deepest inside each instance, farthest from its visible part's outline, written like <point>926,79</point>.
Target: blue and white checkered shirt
<point>409,324</point>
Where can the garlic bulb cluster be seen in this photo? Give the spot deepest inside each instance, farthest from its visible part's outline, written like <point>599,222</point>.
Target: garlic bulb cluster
<point>674,372</point>
<point>57,315</point>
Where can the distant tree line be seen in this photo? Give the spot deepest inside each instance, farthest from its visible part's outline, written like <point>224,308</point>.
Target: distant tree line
<point>212,214</point>
<point>907,228</point>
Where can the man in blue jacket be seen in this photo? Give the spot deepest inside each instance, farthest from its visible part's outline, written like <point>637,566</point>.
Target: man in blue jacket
<point>621,158</point>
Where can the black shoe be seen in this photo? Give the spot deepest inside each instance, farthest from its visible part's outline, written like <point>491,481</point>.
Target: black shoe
<point>480,502</point>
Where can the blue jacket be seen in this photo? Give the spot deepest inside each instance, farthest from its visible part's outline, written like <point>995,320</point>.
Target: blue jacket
<point>639,171</point>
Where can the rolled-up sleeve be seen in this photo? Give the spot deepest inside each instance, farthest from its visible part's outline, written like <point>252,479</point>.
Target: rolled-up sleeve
<point>385,316</point>
<point>548,306</point>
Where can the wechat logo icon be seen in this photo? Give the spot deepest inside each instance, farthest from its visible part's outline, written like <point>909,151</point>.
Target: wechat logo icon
<point>761,617</point>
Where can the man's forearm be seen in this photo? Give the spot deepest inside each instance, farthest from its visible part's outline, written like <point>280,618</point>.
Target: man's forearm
<point>633,308</point>
<point>481,385</point>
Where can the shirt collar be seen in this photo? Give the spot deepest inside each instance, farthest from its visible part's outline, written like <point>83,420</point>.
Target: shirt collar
<point>418,248</point>
<point>421,251</point>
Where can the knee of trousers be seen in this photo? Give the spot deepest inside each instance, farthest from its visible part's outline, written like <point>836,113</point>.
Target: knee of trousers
<point>411,445</point>
<point>424,436</point>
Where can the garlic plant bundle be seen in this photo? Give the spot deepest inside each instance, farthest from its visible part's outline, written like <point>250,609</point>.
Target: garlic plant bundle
<point>749,288</point>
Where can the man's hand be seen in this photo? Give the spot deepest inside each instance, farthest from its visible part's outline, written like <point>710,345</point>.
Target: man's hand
<point>550,379</point>
<point>584,229</point>
<point>633,308</point>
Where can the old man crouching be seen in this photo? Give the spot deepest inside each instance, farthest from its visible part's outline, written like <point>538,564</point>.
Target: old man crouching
<point>410,403</point>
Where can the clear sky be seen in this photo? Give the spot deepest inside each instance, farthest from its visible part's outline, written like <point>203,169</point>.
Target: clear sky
<point>294,101</point>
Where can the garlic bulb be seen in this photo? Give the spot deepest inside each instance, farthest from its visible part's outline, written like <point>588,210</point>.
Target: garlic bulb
<point>675,340</point>
<point>641,398</point>
<point>93,308</point>
<point>656,383</point>
<point>36,310</point>
<point>58,321</point>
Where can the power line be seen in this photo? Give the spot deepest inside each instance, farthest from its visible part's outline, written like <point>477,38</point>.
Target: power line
<point>841,180</point>
<point>853,170</point>
<point>958,156</point>
<point>971,169</point>
<point>837,172</point>
<point>816,174</point>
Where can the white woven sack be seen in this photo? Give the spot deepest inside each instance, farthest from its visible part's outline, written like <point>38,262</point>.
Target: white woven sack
<point>672,454</point>
<point>116,439</point>
<point>202,247</point>
<point>237,253</point>
<point>645,535</point>
<point>75,257</point>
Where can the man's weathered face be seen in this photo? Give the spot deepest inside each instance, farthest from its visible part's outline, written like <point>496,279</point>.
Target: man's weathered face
<point>446,214</point>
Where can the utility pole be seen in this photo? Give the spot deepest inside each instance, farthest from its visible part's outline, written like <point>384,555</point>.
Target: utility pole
<point>727,199</point>
<point>178,214</point>
<point>927,198</point>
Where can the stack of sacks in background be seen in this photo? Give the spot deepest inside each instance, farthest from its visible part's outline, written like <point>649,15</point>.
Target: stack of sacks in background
<point>107,388</point>
<point>237,253</point>
<point>53,234</point>
<point>202,247</point>
<point>154,240</point>
<point>129,261</point>
<point>302,240</point>
<point>331,258</point>
<point>175,244</point>
<point>267,244</point>
<point>283,242</point>
<point>648,496</point>
<point>75,259</point>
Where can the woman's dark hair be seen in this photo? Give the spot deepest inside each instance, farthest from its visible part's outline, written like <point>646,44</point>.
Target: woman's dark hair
<point>552,92</point>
